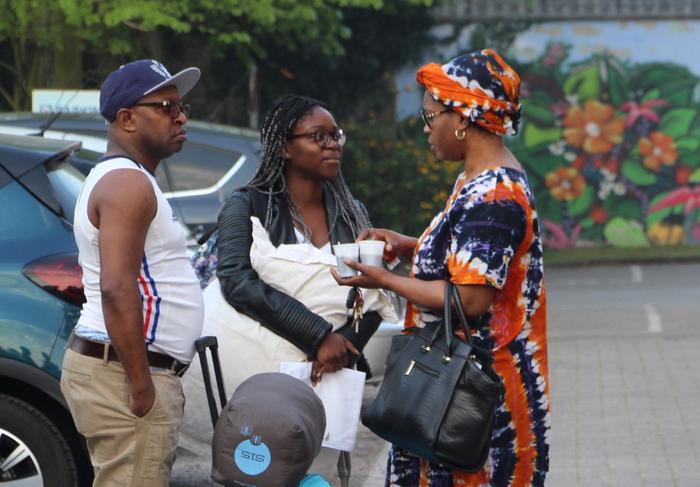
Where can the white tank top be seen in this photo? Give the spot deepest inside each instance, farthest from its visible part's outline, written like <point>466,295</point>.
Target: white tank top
<point>173,307</point>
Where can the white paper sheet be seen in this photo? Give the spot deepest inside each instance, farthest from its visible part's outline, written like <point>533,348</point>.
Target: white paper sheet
<point>341,394</point>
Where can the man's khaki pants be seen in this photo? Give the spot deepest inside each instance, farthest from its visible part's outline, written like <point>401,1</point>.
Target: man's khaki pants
<point>125,450</point>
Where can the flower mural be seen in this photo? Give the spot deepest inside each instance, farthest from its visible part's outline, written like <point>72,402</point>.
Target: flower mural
<point>595,128</point>
<point>657,149</point>
<point>612,149</point>
<point>565,183</point>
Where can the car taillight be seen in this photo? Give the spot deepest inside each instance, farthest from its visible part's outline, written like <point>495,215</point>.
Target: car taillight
<point>59,275</point>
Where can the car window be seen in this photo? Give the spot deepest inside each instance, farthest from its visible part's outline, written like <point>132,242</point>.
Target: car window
<point>84,160</point>
<point>66,182</point>
<point>196,167</point>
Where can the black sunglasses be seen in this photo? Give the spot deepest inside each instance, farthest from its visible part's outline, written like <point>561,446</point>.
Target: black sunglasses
<point>429,116</point>
<point>323,138</point>
<point>173,108</point>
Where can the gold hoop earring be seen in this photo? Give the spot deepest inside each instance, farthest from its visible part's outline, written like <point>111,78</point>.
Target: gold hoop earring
<point>460,134</point>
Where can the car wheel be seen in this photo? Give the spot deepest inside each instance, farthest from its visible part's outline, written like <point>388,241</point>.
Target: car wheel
<point>33,452</point>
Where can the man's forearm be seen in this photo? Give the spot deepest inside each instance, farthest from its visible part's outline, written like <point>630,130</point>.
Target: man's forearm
<point>124,322</point>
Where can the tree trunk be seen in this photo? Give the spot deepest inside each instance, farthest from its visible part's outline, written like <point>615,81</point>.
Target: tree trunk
<point>253,98</point>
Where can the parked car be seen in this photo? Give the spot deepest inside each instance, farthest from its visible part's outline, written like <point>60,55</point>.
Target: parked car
<point>40,299</point>
<point>197,180</point>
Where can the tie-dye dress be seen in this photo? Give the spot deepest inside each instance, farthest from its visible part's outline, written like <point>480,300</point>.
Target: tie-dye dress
<point>488,234</point>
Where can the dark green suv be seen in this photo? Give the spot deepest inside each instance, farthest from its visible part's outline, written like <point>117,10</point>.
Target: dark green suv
<point>40,297</point>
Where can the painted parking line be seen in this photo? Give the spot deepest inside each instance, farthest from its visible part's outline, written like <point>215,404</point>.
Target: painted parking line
<point>579,282</point>
<point>653,318</point>
<point>637,274</point>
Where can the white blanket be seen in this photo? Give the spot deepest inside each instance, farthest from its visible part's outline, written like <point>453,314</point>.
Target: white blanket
<point>245,346</point>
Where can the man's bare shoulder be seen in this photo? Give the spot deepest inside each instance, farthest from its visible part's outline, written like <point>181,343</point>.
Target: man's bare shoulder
<point>125,193</point>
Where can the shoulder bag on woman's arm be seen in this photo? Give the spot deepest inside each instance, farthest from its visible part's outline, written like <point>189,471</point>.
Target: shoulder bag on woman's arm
<point>439,394</point>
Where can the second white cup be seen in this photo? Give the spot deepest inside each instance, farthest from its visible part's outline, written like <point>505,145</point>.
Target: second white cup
<point>346,251</point>
<point>372,252</point>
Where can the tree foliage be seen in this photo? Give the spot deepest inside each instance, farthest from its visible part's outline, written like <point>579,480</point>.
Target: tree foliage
<point>73,43</point>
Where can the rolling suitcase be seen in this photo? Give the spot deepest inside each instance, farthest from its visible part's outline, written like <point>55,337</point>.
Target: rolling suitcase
<point>210,342</point>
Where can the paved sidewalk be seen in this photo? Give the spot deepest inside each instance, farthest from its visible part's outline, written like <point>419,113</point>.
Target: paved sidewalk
<point>625,382</point>
<point>625,376</point>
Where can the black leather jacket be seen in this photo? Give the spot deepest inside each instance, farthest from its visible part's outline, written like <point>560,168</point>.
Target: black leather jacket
<point>240,284</point>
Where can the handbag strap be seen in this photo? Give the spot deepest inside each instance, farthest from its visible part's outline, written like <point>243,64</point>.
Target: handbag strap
<point>452,297</point>
<point>452,289</point>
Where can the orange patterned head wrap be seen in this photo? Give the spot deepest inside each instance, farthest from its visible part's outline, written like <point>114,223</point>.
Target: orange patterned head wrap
<point>480,86</point>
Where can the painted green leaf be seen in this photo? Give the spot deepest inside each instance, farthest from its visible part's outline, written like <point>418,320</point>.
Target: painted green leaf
<point>618,86</point>
<point>659,215</point>
<point>676,123</point>
<point>541,164</point>
<point>541,97</point>
<point>679,92</point>
<point>688,143</point>
<point>651,95</point>
<point>592,234</point>
<point>628,209</point>
<point>621,232</point>
<point>534,135</point>
<point>634,171</point>
<point>582,204</point>
<point>550,208</point>
<point>650,76</point>
<point>689,158</point>
<point>587,222</point>
<point>538,113</point>
<point>695,176</point>
<point>695,131</point>
<point>585,83</point>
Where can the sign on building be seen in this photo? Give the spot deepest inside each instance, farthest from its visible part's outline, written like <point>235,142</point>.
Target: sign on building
<point>74,101</point>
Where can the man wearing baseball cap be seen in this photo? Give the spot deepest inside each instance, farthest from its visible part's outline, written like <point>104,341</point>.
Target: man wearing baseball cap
<point>144,309</point>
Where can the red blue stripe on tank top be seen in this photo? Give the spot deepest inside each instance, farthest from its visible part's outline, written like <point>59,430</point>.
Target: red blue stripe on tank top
<point>150,295</point>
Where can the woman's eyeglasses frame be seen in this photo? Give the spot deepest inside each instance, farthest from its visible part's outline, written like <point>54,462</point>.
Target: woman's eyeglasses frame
<point>428,117</point>
<point>323,138</point>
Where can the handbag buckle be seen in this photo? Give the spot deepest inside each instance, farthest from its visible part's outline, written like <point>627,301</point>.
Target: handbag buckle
<point>425,348</point>
<point>475,360</point>
<point>446,359</point>
<point>410,367</point>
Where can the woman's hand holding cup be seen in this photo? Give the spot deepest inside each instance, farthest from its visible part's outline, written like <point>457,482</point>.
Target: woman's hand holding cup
<point>397,245</point>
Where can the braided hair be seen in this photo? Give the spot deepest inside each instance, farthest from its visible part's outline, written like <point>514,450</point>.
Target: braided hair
<point>278,125</point>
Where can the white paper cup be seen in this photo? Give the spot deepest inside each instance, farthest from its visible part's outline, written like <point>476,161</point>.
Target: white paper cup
<point>372,252</point>
<point>346,251</point>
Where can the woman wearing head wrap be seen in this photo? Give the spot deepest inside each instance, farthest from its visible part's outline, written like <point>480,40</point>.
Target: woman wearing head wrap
<point>487,242</point>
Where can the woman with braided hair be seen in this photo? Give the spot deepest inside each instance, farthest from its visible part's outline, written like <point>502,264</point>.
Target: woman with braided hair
<point>298,196</point>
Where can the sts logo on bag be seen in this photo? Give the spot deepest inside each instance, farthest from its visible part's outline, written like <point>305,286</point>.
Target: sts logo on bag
<point>252,456</point>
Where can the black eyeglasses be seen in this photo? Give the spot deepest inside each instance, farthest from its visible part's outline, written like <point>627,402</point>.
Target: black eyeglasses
<point>429,116</point>
<point>323,138</point>
<point>174,108</point>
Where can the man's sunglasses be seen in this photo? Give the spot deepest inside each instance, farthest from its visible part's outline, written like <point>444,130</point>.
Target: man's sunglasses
<point>173,108</point>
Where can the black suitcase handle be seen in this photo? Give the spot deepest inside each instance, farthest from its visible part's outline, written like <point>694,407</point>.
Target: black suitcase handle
<point>201,345</point>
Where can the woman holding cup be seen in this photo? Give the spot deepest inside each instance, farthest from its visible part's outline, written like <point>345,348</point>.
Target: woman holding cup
<point>297,203</point>
<point>487,242</point>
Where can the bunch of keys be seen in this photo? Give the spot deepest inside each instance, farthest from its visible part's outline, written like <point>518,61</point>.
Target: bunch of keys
<point>355,302</point>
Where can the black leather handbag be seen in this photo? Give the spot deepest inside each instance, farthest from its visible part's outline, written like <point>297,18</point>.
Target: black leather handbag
<point>439,395</point>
